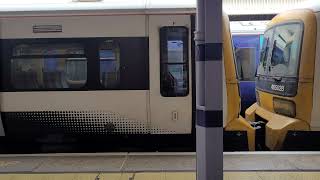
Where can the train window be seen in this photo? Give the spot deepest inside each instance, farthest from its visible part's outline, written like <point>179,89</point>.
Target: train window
<point>286,50</point>
<point>174,78</point>
<point>245,58</point>
<point>262,67</point>
<point>247,48</point>
<point>48,66</point>
<point>109,64</point>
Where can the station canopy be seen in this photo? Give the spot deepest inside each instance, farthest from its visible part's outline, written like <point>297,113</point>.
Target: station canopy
<point>231,7</point>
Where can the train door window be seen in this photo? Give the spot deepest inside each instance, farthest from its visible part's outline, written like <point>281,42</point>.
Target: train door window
<point>48,66</point>
<point>109,64</point>
<point>174,75</point>
<point>286,50</point>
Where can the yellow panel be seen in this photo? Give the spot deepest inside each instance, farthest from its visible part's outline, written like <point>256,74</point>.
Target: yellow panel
<point>151,176</point>
<point>278,125</point>
<point>240,176</point>
<point>303,99</point>
<point>234,122</point>
<point>289,175</point>
<point>180,176</point>
<point>165,176</point>
<point>115,176</point>
<point>69,176</point>
<point>233,98</point>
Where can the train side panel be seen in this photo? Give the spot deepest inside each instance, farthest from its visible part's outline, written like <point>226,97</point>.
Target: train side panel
<point>170,100</point>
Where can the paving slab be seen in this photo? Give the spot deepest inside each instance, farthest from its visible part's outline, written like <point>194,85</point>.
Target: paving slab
<point>155,162</point>
<point>258,162</point>
<point>164,176</point>
<point>20,164</point>
<point>160,163</point>
<point>306,163</point>
<point>82,164</point>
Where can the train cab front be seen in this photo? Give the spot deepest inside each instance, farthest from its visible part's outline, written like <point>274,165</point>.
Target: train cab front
<point>284,79</point>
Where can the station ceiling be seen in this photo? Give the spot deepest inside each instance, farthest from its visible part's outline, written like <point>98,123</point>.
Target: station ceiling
<point>231,7</point>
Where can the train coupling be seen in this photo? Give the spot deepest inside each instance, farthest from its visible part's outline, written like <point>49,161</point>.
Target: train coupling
<point>257,124</point>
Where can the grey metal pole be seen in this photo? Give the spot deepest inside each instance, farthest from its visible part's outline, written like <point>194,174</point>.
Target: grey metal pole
<point>209,126</point>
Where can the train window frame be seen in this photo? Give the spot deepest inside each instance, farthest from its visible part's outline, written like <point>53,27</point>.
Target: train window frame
<point>40,58</point>
<point>164,62</point>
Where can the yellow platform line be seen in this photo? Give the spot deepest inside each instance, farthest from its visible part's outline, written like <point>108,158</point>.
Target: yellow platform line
<point>164,176</point>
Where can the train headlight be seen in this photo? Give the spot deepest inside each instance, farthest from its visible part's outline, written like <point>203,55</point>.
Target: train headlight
<point>284,107</point>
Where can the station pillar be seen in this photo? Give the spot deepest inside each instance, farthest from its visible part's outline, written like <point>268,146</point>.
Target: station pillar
<point>209,118</point>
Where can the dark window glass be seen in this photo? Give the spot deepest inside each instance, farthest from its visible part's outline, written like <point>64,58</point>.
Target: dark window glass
<point>48,66</point>
<point>174,61</point>
<point>109,64</point>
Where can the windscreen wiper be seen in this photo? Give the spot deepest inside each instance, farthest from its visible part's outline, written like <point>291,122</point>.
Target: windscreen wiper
<point>277,78</point>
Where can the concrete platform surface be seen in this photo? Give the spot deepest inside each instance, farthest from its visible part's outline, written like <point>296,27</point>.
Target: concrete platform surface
<point>164,176</point>
<point>155,162</point>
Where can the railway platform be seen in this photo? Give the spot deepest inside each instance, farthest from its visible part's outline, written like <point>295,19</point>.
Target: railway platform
<point>157,166</point>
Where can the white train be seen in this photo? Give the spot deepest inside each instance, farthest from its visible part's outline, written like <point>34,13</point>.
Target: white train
<point>97,69</point>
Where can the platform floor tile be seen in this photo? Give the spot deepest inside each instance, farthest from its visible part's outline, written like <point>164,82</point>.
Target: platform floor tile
<point>164,176</point>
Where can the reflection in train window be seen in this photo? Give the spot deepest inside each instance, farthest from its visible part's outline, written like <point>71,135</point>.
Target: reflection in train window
<point>247,54</point>
<point>174,61</point>
<point>110,64</point>
<point>246,63</point>
<point>286,50</point>
<point>262,68</point>
<point>48,66</point>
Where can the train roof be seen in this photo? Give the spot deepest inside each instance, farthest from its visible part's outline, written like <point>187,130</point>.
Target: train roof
<point>15,7</point>
<point>65,7</point>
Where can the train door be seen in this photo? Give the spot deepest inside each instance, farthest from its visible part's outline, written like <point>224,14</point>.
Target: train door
<point>170,74</point>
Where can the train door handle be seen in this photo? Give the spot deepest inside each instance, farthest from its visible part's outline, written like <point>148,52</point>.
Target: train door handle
<point>174,115</point>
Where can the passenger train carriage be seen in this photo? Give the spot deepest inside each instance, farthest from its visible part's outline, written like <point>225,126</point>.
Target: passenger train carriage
<point>287,83</point>
<point>102,70</point>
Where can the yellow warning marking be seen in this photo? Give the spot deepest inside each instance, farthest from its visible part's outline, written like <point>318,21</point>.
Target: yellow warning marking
<point>164,176</point>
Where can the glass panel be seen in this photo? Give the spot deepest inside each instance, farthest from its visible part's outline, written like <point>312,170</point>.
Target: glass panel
<point>109,64</point>
<point>48,49</point>
<point>246,67</point>
<point>174,61</point>
<point>174,80</point>
<point>247,53</point>
<point>44,72</point>
<point>175,51</point>
<point>286,50</point>
<point>27,74</point>
<point>262,68</point>
<point>175,39</point>
<point>76,72</point>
